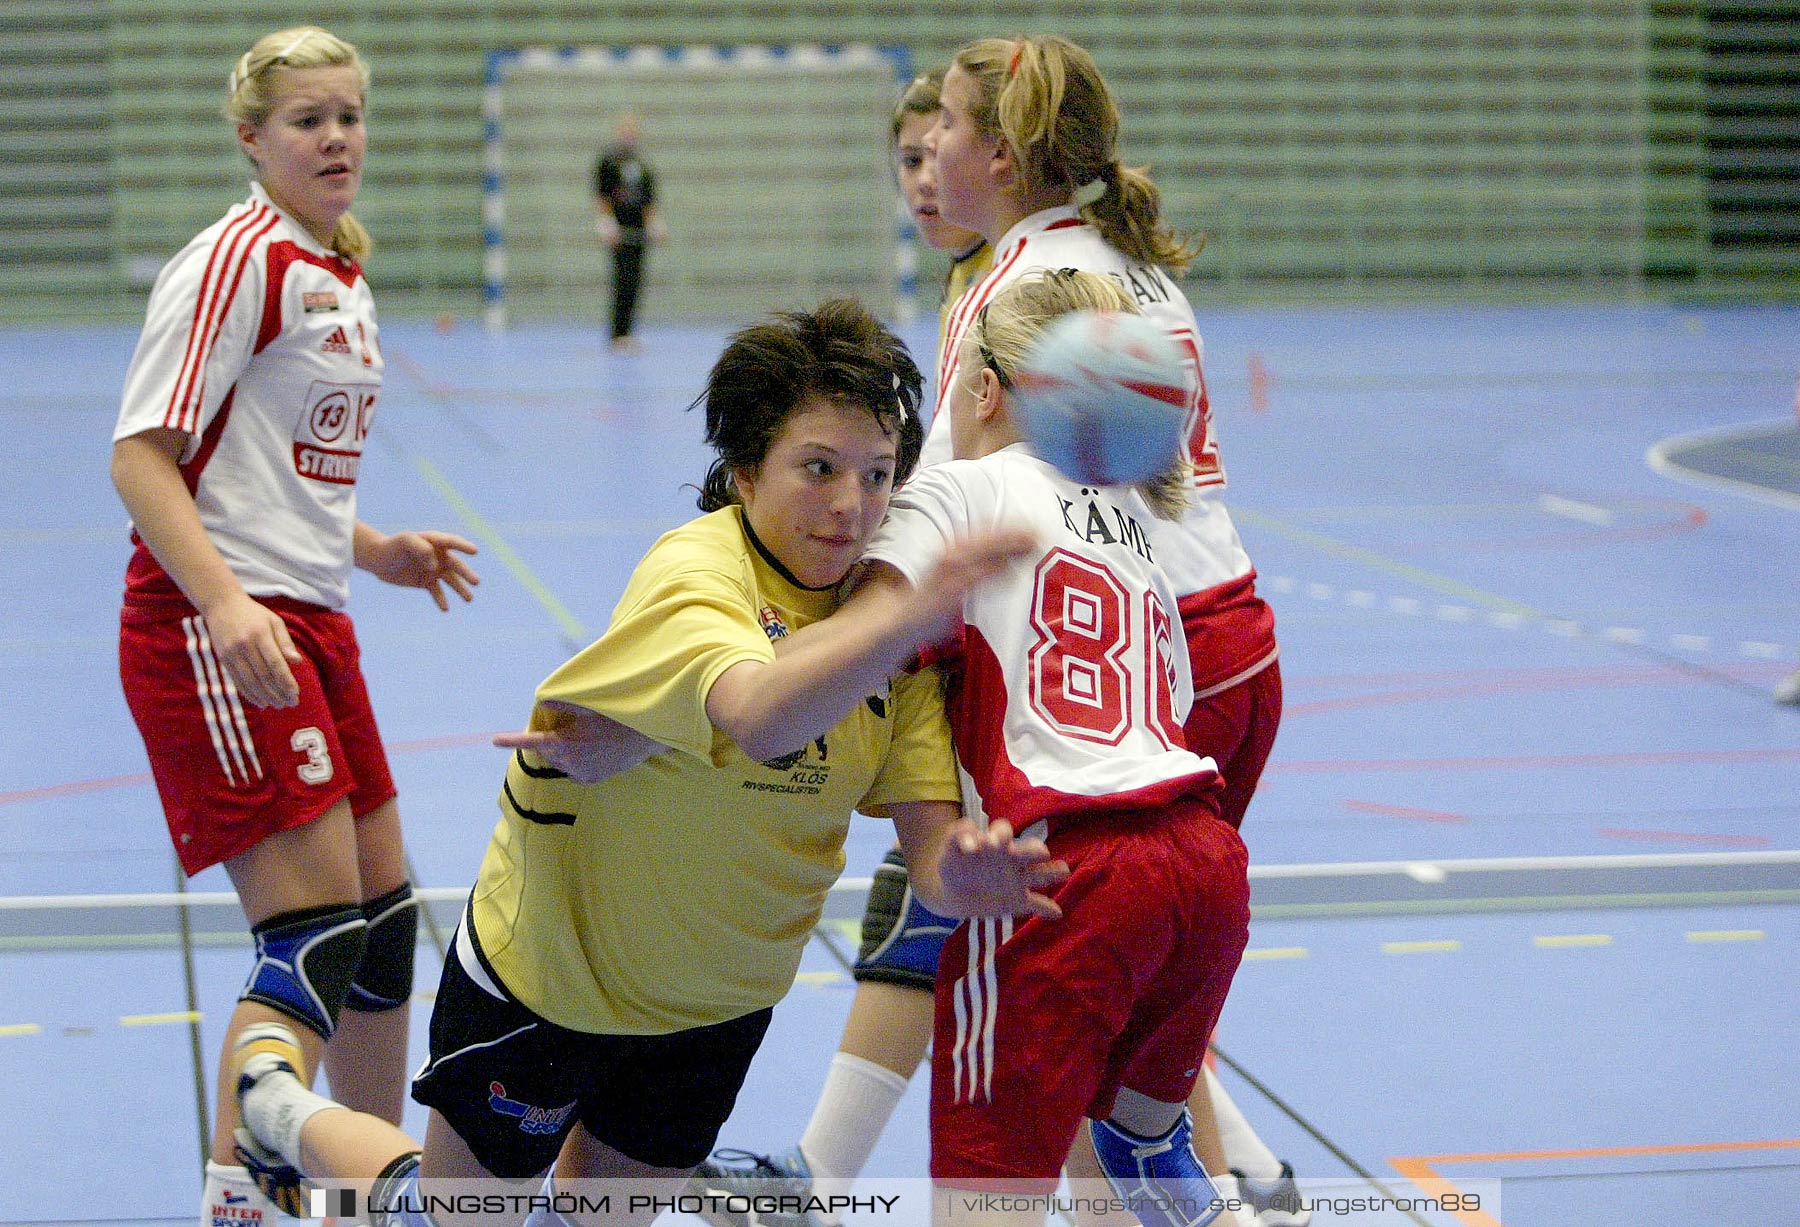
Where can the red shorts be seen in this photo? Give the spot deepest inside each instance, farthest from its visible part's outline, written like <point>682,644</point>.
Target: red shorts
<point>229,774</point>
<point>1236,726</point>
<point>1040,1022</point>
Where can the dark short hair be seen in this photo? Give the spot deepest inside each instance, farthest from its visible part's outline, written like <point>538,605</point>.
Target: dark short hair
<point>840,352</point>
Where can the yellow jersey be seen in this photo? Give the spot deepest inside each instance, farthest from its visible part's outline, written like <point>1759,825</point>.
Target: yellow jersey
<point>681,893</point>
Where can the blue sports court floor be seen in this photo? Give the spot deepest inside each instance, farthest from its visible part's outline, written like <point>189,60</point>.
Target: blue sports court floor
<point>1527,854</point>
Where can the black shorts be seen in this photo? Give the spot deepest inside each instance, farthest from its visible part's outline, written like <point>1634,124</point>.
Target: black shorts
<point>513,1084</point>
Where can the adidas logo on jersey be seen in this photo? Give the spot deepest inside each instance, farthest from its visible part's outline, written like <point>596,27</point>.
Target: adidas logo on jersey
<point>336,343</point>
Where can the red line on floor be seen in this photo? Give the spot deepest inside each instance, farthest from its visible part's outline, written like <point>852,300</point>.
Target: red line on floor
<point>106,783</point>
<point>1686,837</point>
<point>1403,811</point>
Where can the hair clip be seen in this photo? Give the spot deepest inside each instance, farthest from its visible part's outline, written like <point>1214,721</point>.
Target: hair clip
<point>293,46</point>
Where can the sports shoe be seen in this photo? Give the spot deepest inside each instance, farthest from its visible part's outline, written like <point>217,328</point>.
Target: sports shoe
<point>264,1049</point>
<point>760,1189</point>
<point>1789,690</point>
<point>1277,1202</point>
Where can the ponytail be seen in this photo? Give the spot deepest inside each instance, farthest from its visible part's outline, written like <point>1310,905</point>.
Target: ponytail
<point>1044,96</point>
<point>1129,215</point>
<point>351,240</point>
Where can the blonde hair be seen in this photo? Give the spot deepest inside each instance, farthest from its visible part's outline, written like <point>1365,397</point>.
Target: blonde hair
<point>251,94</point>
<point>923,95</point>
<point>1016,317</point>
<point>1044,96</point>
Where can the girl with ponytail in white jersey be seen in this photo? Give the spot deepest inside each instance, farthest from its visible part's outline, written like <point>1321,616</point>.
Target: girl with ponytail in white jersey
<point>1026,146</point>
<point>236,452</point>
<point>1066,702</point>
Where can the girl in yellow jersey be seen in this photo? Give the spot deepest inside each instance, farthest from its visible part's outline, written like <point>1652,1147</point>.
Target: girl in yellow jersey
<point>627,938</point>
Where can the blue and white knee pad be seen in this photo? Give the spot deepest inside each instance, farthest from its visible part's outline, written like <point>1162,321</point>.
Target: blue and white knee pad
<point>314,963</point>
<point>901,937</point>
<point>1159,1178</point>
<point>305,961</point>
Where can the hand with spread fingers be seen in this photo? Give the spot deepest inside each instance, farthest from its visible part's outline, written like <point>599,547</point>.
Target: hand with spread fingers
<point>423,559</point>
<point>989,872</point>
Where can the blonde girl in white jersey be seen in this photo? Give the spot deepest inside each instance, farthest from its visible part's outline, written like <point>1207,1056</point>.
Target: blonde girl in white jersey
<point>1027,155</point>
<point>236,452</point>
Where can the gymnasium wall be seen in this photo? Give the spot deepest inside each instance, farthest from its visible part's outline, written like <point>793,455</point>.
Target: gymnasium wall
<point>1327,148</point>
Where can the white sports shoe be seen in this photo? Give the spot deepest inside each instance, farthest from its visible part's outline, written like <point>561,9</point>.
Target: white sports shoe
<point>1789,690</point>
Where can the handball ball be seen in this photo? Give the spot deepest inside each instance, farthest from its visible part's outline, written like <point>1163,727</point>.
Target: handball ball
<point>1103,396</point>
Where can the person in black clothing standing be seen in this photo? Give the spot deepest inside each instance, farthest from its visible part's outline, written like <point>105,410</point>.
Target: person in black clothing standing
<point>625,214</point>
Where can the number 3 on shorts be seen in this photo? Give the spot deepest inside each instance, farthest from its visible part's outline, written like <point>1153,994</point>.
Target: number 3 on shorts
<point>311,742</point>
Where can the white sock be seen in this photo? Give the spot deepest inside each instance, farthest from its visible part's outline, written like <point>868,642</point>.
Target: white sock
<point>1243,1149</point>
<point>278,1106</point>
<point>1227,1188</point>
<point>231,1196</point>
<point>859,1098</point>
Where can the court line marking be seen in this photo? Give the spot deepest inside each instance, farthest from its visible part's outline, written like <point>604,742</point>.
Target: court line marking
<point>477,524</point>
<point>1518,619</point>
<point>1660,460</point>
<point>829,978</point>
<point>1390,566</point>
<point>1569,941</point>
<point>1422,1169</point>
<point>1507,762</point>
<point>860,885</point>
<point>1575,509</point>
<point>158,1020</point>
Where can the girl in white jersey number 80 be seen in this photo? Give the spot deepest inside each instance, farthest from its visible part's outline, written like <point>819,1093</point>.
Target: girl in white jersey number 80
<point>1067,713</point>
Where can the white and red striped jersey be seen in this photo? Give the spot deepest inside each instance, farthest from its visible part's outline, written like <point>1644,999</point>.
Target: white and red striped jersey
<point>260,345</point>
<point>1075,677</point>
<point>1206,561</point>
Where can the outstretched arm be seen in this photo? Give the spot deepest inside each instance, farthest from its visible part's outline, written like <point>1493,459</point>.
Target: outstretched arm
<point>772,708</point>
<point>583,744</point>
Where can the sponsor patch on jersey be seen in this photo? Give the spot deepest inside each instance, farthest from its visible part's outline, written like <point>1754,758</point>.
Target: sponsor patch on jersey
<point>337,342</point>
<point>318,300</point>
<point>328,439</point>
<point>772,624</point>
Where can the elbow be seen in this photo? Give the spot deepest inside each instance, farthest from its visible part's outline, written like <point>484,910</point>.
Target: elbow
<point>118,470</point>
<point>763,742</point>
<point>743,707</point>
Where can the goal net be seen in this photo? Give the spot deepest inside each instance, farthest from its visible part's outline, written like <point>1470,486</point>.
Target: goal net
<point>771,166</point>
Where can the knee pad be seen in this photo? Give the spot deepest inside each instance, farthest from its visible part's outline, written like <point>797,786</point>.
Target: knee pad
<point>1159,1178</point>
<point>394,1197</point>
<point>384,978</point>
<point>305,961</point>
<point>901,937</point>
